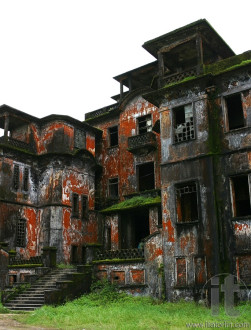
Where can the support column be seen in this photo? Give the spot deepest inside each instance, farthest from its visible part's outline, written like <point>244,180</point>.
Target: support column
<point>6,125</point>
<point>121,89</point>
<point>199,54</point>
<point>161,68</point>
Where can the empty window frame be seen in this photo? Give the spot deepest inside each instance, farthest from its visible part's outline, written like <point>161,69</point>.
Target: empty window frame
<point>234,110</point>
<point>16,177</point>
<point>187,202</point>
<point>79,139</point>
<point>181,272</point>
<point>26,179</point>
<point>113,188</point>
<point>113,136</point>
<point>146,180</point>
<point>144,124</point>
<point>183,123</point>
<point>240,196</point>
<point>84,205</point>
<point>75,205</point>
<point>21,233</point>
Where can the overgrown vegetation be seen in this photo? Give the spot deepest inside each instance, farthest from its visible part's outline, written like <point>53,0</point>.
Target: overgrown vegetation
<point>3,310</point>
<point>64,266</point>
<point>132,203</point>
<point>106,308</point>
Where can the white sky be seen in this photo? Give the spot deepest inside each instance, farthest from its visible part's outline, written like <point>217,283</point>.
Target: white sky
<point>59,56</point>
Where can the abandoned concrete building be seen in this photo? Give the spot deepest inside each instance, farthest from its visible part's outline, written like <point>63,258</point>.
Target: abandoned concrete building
<point>153,191</point>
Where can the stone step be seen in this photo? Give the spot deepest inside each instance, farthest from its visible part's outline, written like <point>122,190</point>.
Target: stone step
<point>27,302</point>
<point>11,306</point>
<point>39,295</point>
<point>25,309</point>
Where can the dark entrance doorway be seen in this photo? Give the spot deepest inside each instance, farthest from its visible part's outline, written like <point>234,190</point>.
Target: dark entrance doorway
<point>74,254</point>
<point>134,227</point>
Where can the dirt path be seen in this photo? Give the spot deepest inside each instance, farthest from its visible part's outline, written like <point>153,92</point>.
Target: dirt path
<point>7,322</point>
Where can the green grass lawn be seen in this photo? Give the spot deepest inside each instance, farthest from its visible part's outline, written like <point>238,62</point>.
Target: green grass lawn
<point>108,309</point>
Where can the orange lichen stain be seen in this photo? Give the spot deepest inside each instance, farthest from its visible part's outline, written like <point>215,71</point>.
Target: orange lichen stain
<point>90,144</point>
<point>39,146</point>
<point>156,253</point>
<point>240,227</point>
<point>184,242</point>
<point>31,216</point>
<point>66,219</point>
<point>138,276</point>
<point>170,229</point>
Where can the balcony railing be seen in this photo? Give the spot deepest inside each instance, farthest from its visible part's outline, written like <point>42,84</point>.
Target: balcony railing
<point>32,261</point>
<point>142,141</point>
<point>176,77</point>
<point>16,143</point>
<point>120,254</point>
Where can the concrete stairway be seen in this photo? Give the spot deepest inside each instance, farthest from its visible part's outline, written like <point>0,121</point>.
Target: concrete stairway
<point>33,297</point>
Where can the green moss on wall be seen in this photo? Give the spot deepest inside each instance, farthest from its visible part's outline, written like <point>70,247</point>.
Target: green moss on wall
<point>135,202</point>
<point>118,261</point>
<point>228,64</point>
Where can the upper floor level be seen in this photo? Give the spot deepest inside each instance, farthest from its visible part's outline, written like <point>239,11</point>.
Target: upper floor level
<point>51,134</point>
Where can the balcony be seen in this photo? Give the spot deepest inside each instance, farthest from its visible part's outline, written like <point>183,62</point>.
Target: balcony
<point>176,77</point>
<point>142,144</point>
<point>7,141</point>
<point>125,254</point>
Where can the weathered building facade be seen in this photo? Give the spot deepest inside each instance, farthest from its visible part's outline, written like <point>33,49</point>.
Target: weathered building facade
<point>166,167</point>
<point>47,184</point>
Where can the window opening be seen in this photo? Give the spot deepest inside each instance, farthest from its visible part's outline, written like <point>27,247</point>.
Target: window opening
<point>84,202</point>
<point>187,205</point>
<point>181,272</point>
<point>26,179</point>
<point>113,187</point>
<point>21,233</point>
<point>75,205</point>
<point>146,176</point>
<point>235,111</point>
<point>113,132</point>
<point>79,139</point>
<point>183,123</point>
<point>240,196</point>
<point>145,124</point>
<point>74,254</point>
<point>16,177</point>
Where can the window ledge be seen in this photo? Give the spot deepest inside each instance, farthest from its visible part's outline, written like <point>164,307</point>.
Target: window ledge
<point>244,218</point>
<point>185,141</point>
<point>187,223</point>
<point>112,147</point>
<point>236,130</point>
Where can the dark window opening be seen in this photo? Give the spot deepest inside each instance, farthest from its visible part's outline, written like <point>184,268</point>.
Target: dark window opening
<point>183,123</point>
<point>235,111</point>
<point>75,206</point>
<point>159,217</point>
<point>240,196</point>
<point>145,124</point>
<point>146,176</point>
<point>114,188</point>
<point>187,204</point>
<point>84,203</point>
<point>134,228</point>
<point>181,277</point>
<point>84,255</point>
<point>108,242</point>
<point>74,254</point>
<point>26,179</point>
<point>114,138</point>
<point>21,233</point>
<point>16,177</point>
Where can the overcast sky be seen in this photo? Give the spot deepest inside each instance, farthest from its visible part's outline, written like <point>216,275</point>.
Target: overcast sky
<point>59,56</point>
